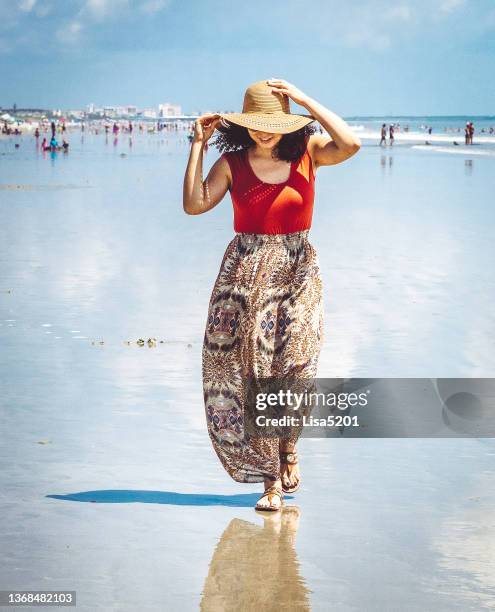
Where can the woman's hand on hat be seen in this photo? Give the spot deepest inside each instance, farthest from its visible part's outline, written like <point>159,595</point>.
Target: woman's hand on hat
<point>281,87</point>
<point>205,125</point>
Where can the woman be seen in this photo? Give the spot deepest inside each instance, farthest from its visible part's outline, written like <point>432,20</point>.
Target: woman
<point>265,312</point>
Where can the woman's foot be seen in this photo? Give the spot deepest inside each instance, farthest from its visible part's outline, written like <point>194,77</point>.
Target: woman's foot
<point>289,469</point>
<point>271,499</point>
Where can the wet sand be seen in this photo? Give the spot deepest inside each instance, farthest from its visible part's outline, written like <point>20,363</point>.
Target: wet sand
<point>109,484</point>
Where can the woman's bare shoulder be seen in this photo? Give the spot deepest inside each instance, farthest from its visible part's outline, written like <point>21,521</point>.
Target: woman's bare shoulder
<point>231,162</point>
<point>221,169</point>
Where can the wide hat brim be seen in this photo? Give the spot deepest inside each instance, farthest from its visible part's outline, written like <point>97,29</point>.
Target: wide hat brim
<point>277,123</point>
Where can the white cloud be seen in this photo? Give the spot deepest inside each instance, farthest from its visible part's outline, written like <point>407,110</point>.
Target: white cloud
<point>153,6</point>
<point>43,10</point>
<point>402,12</point>
<point>71,33</point>
<point>106,9</point>
<point>26,6</point>
<point>100,9</point>
<point>449,6</point>
<point>368,24</point>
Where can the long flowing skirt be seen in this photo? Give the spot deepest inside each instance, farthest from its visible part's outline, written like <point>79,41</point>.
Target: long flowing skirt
<point>265,319</point>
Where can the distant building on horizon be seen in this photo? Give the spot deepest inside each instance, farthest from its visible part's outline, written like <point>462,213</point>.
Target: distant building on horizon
<point>77,114</point>
<point>130,110</point>
<point>149,113</point>
<point>169,110</point>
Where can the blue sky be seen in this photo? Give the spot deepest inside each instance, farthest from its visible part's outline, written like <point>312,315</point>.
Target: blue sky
<point>362,57</point>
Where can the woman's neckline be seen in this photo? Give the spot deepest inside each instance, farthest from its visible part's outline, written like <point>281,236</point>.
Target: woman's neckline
<point>246,153</point>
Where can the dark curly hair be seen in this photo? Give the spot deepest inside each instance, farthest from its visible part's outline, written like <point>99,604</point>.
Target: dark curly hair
<point>233,137</point>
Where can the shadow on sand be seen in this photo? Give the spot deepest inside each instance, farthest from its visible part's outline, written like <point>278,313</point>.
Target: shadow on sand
<point>170,498</point>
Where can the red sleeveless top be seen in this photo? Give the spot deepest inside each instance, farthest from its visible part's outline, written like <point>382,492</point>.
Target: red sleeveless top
<point>269,208</point>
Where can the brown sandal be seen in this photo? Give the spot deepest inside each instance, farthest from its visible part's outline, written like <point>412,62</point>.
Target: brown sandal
<point>290,459</point>
<point>270,492</point>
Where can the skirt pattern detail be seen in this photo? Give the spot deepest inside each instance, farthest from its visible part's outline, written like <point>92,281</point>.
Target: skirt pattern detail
<point>265,318</point>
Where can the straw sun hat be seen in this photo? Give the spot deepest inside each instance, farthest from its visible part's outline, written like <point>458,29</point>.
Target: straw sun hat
<point>266,111</point>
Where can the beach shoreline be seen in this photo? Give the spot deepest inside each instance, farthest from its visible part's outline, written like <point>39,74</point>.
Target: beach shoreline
<point>421,137</point>
<point>366,135</point>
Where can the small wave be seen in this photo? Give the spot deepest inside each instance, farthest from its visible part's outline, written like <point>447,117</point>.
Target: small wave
<point>456,150</point>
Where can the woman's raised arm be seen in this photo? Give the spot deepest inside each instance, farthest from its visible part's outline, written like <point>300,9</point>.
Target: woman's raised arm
<point>200,195</point>
<point>324,150</point>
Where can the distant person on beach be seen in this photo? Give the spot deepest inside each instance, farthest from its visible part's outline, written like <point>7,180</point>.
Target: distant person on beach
<point>265,314</point>
<point>36,133</point>
<point>471,132</point>
<point>466,134</point>
<point>65,145</point>
<point>391,134</point>
<point>430,129</point>
<point>383,140</point>
<point>54,144</point>
<point>53,129</point>
<point>44,145</point>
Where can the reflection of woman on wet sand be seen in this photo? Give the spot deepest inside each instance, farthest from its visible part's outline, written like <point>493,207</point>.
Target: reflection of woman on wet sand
<point>265,316</point>
<point>256,568</point>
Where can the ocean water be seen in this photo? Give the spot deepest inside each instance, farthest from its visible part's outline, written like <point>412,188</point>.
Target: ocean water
<point>439,124</point>
<point>109,484</point>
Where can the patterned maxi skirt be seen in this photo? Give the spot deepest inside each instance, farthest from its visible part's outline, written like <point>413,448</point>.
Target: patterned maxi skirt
<point>265,319</point>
